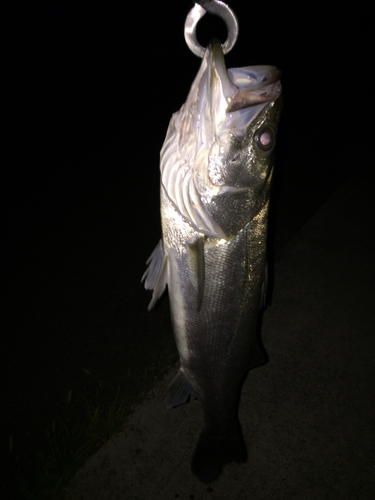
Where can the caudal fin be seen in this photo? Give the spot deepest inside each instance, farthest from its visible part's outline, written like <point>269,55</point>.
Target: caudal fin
<point>212,452</point>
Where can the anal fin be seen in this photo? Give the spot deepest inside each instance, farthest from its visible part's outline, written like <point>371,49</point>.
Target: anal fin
<point>258,355</point>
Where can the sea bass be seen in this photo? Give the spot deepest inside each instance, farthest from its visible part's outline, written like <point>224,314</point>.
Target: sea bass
<point>216,169</point>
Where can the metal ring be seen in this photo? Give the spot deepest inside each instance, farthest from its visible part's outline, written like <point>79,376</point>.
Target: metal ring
<point>217,8</point>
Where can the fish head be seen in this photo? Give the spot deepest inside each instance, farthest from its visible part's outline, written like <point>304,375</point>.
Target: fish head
<point>217,160</point>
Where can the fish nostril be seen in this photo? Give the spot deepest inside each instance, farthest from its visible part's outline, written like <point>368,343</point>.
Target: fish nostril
<point>236,158</point>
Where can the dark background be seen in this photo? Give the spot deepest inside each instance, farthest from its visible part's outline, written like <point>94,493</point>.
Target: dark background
<point>89,92</point>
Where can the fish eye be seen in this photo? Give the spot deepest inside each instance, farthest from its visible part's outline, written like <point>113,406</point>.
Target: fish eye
<point>265,139</point>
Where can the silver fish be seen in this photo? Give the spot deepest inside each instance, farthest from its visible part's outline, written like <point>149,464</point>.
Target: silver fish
<point>216,170</point>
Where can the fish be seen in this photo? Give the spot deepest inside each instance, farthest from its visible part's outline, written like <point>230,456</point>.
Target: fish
<point>216,166</point>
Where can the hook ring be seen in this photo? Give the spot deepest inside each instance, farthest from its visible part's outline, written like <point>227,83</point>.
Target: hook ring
<point>217,8</point>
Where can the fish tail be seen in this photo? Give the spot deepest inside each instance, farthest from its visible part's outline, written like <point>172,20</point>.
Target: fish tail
<point>212,452</point>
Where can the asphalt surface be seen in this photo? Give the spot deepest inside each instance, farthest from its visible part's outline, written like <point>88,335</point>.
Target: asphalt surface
<point>308,415</point>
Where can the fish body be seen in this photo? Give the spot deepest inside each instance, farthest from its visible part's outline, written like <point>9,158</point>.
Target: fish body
<point>216,171</point>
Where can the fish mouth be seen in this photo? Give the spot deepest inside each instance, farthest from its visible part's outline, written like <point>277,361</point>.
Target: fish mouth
<point>240,87</point>
<point>256,85</point>
<point>237,95</point>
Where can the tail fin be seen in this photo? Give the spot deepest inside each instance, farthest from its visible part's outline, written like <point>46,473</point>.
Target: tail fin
<point>212,452</point>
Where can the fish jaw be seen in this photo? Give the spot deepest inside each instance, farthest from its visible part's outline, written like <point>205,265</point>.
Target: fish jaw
<point>210,159</point>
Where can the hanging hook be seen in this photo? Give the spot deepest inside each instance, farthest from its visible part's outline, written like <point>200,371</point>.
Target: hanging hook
<point>217,8</point>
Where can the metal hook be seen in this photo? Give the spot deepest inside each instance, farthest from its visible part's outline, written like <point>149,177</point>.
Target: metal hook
<point>219,9</point>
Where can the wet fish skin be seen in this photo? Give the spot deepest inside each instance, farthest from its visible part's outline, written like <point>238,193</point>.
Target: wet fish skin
<point>216,171</point>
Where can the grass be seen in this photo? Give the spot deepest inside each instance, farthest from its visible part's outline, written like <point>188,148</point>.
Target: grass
<point>75,436</point>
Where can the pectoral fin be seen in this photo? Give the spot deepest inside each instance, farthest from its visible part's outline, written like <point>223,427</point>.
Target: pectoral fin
<point>155,276</point>
<point>195,253</point>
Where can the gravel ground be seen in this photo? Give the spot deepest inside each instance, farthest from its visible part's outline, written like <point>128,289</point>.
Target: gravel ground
<point>308,415</point>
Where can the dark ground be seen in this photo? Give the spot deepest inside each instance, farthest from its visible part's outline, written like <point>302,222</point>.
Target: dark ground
<point>87,102</point>
<point>307,415</point>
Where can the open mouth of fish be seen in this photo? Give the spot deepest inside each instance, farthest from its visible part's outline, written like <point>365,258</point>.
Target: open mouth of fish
<point>239,88</point>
